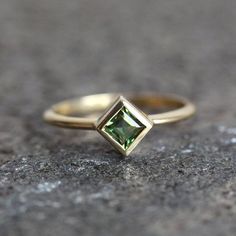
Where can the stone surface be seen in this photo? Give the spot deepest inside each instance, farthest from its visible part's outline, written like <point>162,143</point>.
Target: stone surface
<point>180,181</point>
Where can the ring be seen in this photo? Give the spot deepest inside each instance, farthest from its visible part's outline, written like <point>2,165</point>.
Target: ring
<point>118,119</point>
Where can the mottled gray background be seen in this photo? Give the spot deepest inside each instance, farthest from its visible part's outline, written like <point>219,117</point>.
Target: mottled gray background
<point>180,181</point>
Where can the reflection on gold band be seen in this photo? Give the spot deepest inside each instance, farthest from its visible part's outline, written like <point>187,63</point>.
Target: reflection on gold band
<point>83,113</point>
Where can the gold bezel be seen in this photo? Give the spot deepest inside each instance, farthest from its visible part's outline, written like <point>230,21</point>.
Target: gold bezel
<point>112,111</point>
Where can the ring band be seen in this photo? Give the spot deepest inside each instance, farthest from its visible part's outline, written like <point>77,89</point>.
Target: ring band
<point>122,123</point>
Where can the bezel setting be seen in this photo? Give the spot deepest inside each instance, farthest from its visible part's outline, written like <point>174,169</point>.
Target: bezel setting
<point>133,125</point>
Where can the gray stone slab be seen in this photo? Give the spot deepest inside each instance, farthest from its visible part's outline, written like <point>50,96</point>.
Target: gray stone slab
<point>180,181</point>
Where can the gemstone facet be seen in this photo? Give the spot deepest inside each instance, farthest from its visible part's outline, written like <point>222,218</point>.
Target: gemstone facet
<point>124,125</point>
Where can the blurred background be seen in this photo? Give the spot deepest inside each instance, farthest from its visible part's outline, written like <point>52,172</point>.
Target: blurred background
<point>56,182</point>
<point>64,48</point>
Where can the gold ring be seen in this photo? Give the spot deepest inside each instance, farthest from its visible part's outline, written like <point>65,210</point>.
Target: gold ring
<point>122,122</point>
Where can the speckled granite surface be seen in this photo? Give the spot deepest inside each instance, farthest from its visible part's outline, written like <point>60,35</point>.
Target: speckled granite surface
<point>180,181</point>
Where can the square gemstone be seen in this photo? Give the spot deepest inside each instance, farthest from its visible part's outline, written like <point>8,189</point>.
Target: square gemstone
<point>123,125</point>
<point>124,128</point>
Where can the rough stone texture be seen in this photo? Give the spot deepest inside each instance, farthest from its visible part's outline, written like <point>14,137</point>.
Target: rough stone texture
<point>180,181</point>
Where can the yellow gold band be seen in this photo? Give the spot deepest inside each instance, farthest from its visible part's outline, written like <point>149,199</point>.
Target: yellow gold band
<point>64,114</point>
<point>122,122</point>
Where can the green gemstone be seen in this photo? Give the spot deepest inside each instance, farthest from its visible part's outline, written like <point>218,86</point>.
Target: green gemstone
<point>124,128</point>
